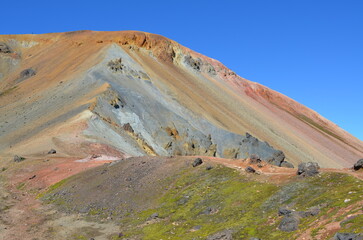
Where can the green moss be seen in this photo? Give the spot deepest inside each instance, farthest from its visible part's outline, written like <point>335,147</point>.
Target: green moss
<point>52,188</point>
<point>79,237</point>
<point>247,207</point>
<point>20,186</point>
<point>353,225</point>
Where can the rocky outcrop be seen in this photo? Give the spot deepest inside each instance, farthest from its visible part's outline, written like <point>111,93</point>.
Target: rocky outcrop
<point>291,219</point>
<point>358,165</point>
<point>348,236</point>
<point>308,169</point>
<point>4,48</point>
<point>289,223</point>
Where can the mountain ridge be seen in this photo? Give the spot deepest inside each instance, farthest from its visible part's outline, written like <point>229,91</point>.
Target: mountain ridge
<point>201,85</point>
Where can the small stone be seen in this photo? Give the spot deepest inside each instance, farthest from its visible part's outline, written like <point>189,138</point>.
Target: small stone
<point>154,216</point>
<point>208,168</point>
<point>284,211</point>
<point>197,162</point>
<point>18,158</point>
<point>250,169</point>
<point>52,151</point>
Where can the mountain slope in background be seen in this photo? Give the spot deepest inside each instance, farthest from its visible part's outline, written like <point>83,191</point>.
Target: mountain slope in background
<point>133,94</point>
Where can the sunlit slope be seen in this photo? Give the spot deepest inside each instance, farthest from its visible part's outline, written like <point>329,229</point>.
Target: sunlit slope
<point>143,94</point>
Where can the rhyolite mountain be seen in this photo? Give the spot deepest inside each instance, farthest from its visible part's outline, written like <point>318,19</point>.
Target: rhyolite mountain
<point>134,94</point>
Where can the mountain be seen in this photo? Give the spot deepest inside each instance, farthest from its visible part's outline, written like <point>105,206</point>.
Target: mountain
<point>129,135</point>
<point>134,94</point>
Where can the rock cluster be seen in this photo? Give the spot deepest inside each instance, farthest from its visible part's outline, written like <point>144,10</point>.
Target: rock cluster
<point>291,219</point>
<point>5,48</point>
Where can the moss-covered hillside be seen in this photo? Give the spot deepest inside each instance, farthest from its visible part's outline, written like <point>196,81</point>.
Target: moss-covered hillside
<point>195,203</point>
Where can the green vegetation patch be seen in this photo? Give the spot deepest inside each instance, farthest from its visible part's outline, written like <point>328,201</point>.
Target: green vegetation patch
<point>202,202</point>
<point>196,203</point>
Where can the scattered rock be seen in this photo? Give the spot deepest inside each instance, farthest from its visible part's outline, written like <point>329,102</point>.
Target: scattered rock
<point>5,48</point>
<point>52,151</point>
<point>116,65</point>
<point>253,238</point>
<point>255,159</point>
<point>27,73</point>
<point>209,168</point>
<point>197,162</point>
<point>284,211</point>
<point>279,156</point>
<point>347,236</point>
<point>287,164</point>
<point>153,216</point>
<point>194,63</point>
<point>223,235</point>
<point>358,165</point>
<point>313,211</point>
<point>308,169</point>
<point>18,158</point>
<point>289,223</point>
<point>250,169</point>
<point>196,228</point>
<point>183,200</point>
<point>209,210</point>
<point>32,177</point>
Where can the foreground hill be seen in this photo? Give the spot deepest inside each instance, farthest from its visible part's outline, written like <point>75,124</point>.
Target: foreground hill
<point>130,93</point>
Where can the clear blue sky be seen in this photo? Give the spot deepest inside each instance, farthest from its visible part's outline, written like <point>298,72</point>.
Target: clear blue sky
<point>311,51</point>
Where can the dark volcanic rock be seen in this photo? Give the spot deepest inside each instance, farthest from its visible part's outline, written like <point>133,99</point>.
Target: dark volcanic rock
<point>209,168</point>
<point>255,159</point>
<point>5,48</point>
<point>308,169</point>
<point>347,236</point>
<point>358,165</point>
<point>250,169</point>
<point>52,151</point>
<point>27,73</point>
<point>277,158</point>
<point>197,162</point>
<point>18,158</point>
<point>284,211</point>
<point>289,223</point>
<point>223,235</point>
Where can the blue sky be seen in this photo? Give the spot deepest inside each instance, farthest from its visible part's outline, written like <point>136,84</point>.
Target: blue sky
<point>311,51</point>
